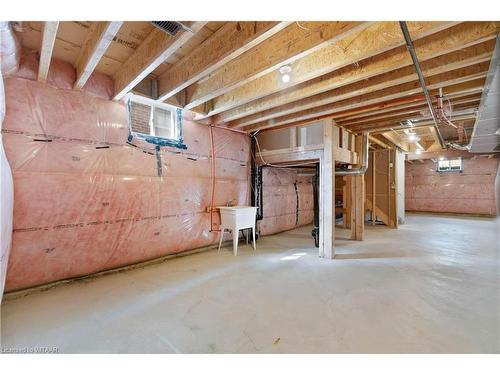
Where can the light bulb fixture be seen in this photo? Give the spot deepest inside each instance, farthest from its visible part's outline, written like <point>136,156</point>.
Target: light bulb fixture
<point>418,151</point>
<point>412,137</point>
<point>441,158</point>
<point>285,71</point>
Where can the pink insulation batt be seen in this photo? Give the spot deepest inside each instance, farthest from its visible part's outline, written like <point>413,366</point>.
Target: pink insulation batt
<point>284,207</point>
<point>470,192</point>
<point>79,209</point>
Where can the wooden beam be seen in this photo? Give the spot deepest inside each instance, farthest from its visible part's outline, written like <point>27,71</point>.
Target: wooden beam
<point>401,110</point>
<point>439,65</point>
<point>357,207</point>
<point>98,41</point>
<point>292,43</point>
<point>434,133</point>
<point>288,156</point>
<point>395,124</point>
<point>396,118</point>
<point>465,89</point>
<point>153,51</point>
<point>374,139</point>
<point>329,68</point>
<point>358,197</point>
<point>449,154</point>
<point>226,44</point>
<point>48,39</point>
<point>396,140</point>
<point>399,91</point>
<point>327,185</point>
<point>346,202</point>
<point>458,90</point>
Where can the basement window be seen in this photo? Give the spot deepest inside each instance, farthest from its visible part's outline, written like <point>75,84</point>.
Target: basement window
<point>154,122</point>
<point>450,165</point>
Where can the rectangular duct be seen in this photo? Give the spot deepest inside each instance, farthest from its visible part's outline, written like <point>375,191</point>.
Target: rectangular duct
<point>486,133</point>
<point>170,27</point>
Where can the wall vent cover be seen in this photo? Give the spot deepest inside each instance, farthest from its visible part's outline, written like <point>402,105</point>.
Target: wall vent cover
<point>170,27</point>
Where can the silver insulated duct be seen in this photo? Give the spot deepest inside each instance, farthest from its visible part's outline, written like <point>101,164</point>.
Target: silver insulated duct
<point>364,162</point>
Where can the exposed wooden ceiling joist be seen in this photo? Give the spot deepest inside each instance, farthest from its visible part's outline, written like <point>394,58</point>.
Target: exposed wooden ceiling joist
<point>395,124</point>
<point>290,44</point>
<point>412,112</point>
<point>375,39</point>
<point>431,67</point>
<point>437,154</point>
<point>98,41</point>
<point>48,40</point>
<point>382,113</point>
<point>395,139</point>
<point>229,42</point>
<point>465,88</point>
<point>155,49</point>
<point>440,80</point>
<point>438,45</point>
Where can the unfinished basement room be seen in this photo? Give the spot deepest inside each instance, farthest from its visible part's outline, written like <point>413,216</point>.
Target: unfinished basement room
<point>252,187</point>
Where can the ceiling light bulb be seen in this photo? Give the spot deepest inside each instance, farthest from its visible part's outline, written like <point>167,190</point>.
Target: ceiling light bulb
<point>285,78</point>
<point>412,137</point>
<point>441,158</point>
<point>418,151</point>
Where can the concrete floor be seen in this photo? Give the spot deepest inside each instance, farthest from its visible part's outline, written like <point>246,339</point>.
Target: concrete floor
<point>432,286</point>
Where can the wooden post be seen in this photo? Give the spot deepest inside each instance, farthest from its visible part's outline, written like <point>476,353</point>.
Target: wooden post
<point>347,198</point>
<point>48,39</point>
<point>327,184</point>
<point>293,138</point>
<point>358,199</point>
<point>358,207</point>
<point>374,216</point>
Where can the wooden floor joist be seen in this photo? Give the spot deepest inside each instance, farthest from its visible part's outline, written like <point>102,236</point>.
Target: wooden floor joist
<point>441,80</point>
<point>98,41</point>
<point>48,40</point>
<point>292,43</point>
<point>352,49</point>
<point>155,49</point>
<point>433,67</point>
<point>381,114</point>
<point>226,44</point>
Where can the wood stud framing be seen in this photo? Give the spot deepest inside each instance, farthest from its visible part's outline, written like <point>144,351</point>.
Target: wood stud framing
<point>48,40</point>
<point>94,48</point>
<point>155,49</point>
<point>228,43</point>
<point>285,47</point>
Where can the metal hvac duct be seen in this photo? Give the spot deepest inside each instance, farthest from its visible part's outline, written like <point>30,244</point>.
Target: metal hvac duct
<point>364,162</point>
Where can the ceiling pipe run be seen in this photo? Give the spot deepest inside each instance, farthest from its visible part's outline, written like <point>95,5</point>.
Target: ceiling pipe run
<point>442,117</point>
<point>364,162</point>
<point>411,49</point>
<point>440,110</point>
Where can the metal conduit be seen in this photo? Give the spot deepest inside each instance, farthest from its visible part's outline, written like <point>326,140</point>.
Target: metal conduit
<point>411,49</point>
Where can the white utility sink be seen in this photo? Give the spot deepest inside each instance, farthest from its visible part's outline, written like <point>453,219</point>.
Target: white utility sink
<point>235,218</point>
